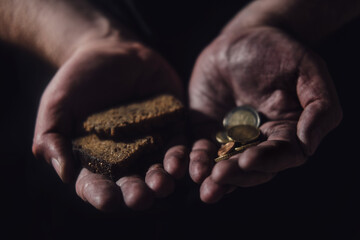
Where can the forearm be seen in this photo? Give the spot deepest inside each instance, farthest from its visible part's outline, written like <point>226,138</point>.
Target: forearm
<point>309,21</point>
<point>53,28</point>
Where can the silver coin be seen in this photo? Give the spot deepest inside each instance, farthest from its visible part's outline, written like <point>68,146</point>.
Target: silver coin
<point>243,133</point>
<point>242,115</point>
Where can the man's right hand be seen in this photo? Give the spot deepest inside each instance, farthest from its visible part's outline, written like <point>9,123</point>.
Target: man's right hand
<point>100,63</point>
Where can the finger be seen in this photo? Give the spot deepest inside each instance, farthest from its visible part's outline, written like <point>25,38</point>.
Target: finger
<point>159,181</point>
<point>176,161</point>
<point>52,141</point>
<point>55,149</point>
<point>137,195</point>
<point>228,172</point>
<point>212,192</point>
<point>99,191</point>
<point>318,97</point>
<point>201,160</point>
<point>281,150</point>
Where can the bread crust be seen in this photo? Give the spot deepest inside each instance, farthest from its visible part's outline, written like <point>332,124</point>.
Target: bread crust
<point>112,158</point>
<point>116,140</point>
<point>136,118</point>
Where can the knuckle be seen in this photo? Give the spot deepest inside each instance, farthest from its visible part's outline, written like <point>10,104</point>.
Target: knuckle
<point>200,166</point>
<point>198,174</point>
<point>246,164</point>
<point>220,172</point>
<point>155,167</point>
<point>178,152</point>
<point>248,159</point>
<point>154,176</point>
<point>198,156</point>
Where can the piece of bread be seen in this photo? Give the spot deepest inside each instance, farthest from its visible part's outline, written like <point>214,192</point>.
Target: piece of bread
<point>112,158</point>
<point>136,118</point>
<point>118,139</point>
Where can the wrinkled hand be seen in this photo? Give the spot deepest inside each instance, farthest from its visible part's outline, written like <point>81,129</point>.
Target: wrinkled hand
<point>287,83</point>
<point>97,76</point>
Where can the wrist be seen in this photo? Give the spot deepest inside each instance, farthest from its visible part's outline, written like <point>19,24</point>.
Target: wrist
<point>307,21</point>
<point>256,15</point>
<point>56,29</point>
<point>101,31</point>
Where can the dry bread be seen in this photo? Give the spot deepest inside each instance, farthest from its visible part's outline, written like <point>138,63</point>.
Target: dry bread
<point>136,118</point>
<point>118,138</point>
<point>111,158</point>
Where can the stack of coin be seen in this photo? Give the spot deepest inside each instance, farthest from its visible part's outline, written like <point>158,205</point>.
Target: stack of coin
<point>241,131</point>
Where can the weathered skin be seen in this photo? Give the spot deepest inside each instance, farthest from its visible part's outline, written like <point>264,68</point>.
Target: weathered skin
<point>286,82</point>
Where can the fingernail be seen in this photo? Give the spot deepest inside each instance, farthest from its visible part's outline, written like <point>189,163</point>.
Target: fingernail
<point>56,165</point>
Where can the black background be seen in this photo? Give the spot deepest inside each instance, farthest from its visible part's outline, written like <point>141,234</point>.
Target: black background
<point>317,200</point>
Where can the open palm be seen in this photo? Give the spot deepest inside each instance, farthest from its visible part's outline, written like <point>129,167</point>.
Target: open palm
<point>287,83</point>
<point>96,77</point>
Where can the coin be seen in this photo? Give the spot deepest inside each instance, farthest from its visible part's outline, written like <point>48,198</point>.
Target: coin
<point>242,115</point>
<point>236,151</point>
<point>246,146</point>
<point>243,133</point>
<point>225,157</point>
<point>222,137</point>
<point>226,148</point>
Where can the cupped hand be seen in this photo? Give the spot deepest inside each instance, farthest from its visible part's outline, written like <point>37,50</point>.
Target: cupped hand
<point>284,81</point>
<point>95,77</point>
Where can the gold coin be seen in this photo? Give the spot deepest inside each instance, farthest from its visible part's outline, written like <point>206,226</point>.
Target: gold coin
<point>242,115</point>
<point>246,146</point>
<point>226,148</point>
<point>236,151</point>
<point>222,137</point>
<point>243,133</point>
<point>225,157</point>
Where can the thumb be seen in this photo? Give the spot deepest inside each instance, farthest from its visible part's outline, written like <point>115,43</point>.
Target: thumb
<point>317,94</point>
<point>57,151</point>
